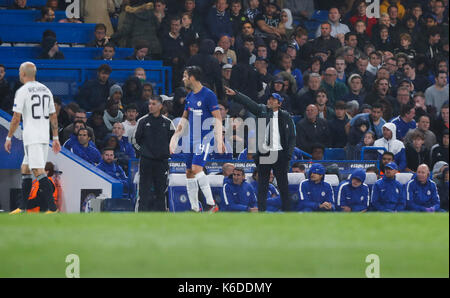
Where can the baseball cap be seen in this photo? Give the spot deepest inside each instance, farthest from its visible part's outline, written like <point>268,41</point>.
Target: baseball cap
<point>392,165</point>
<point>277,96</point>
<point>219,49</point>
<point>227,66</point>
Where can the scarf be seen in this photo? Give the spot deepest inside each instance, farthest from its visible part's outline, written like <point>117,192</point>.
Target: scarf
<point>109,120</point>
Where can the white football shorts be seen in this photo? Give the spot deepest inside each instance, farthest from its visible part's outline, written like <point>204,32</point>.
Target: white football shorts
<point>35,156</point>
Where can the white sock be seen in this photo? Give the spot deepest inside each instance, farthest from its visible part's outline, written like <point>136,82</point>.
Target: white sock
<point>206,189</point>
<point>192,190</point>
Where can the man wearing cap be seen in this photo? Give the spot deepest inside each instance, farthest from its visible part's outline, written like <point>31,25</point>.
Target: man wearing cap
<point>315,193</point>
<point>226,74</point>
<point>388,194</point>
<point>353,195</point>
<point>219,54</point>
<point>275,141</point>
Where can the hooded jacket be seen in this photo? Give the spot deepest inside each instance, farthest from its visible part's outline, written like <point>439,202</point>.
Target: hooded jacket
<point>388,195</point>
<point>312,194</point>
<point>357,199</point>
<point>115,171</point>
<point>393,145</point>
<point>89,153</point>
<point>238,197</point>
<point>420,196</point>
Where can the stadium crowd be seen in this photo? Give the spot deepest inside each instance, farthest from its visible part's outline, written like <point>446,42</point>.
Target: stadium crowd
<point>351,81</point>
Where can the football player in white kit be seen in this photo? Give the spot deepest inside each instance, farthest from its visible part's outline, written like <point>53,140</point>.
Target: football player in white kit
<point>34,103</point>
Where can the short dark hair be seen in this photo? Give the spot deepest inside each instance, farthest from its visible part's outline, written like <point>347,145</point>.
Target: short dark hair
<point>340,105</point>
<point>299,165</point>
<point>88,132</point>
<point>194,71</point>
<point>104,68</point>
<point>406,108</point>
<point>100,26</point>
<point>417,135</point>
<point>107,149</point>
<point>79,121</point>
<point>109,45</point>
<point>388,153</point>
<point>348,34</point>
<point>131,106</point>
<point>377,105</point>
<point>156,97</point>
<point>239,169</point>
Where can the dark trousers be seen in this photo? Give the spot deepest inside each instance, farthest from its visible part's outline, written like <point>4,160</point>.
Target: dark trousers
<point>280,171</point>
<point>152,184</point>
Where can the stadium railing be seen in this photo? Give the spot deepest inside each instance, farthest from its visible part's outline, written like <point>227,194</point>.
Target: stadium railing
<point>64,77</point>
<point>364,149</point>
<point>75,53</point>
<point>14,16</point>
<point>32,32</point>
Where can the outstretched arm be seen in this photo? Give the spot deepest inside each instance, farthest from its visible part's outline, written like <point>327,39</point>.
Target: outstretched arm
<point>246,101</point>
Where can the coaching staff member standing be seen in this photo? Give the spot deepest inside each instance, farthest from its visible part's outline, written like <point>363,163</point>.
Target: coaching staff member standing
<point>151,140</point>
<point>278,141</point>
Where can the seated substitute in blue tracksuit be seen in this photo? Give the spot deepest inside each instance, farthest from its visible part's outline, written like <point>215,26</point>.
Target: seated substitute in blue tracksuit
<point>108,166</point>
<point>273,196</point>
<point>238,194</point>
<point>388,194</point>
<point>315,193</point>
<point>353,194</point>
<point>421,192</point>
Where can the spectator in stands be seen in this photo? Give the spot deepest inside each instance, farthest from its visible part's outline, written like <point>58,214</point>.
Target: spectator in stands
<point>108,53</point>
<point>269,20</point>
<point>325,41</point>
<point>130,123</point>
<point>442,122</point>
<point>374,62</point>
<point>337,126</point>
<point>84,148</point>
<point>101,39</point>
<point>116,93</point>
<point>317,152</point>
<point>237,16</point>
<point>380,95</point>
<point>309,96</point>
<point>273,195</point>
<point>50,49</point>
<point>334,89</point>
<point>63,117</point>
<point>298,168</point>
<point>315,193</point>
<point>358,129</point>
<point>423,109</point>
<point>253,9</point>
<point>98,12</point>
<point>338,30</point>
<point>139,73</point>
<point>146,94</point>
<point>423,126</point>
<point>140,23</point>
<point>247,30</point>
<point>388,194</point>
<point>416,154</point>
<point>405,121</point>
<point>360,15</point>
<point>19,4</point>
<point>368,141</point>
<point>112,113</point>
<point>70,130</point>
<point>386,158</point>
<point>47,15</point>
<point>93,93</point>
<point>353,195</point>
<point>437,94</point>
<point>114,170</point>
<point>439,152</point>
<point>72,138</point>
<point>239,195</point>
<point>391,144</point>
<point>312,129</point>
<point>367,77</point>
<point>430,47</point>
<point>356,89</point>
<point>141,52</point>
<point>132,90</point>
<point>422,193</point>
<point>300,41</point>
<point>218,21</point>
<point>212,72</point>
<point>98,126</point>
<point>124,142</point>
<point>406,47</point>
<point>442,185</point>
<point>285,64</point>
<point>6,101</point>
<point>229,56</point>
<point>325,112</point>
<point>244,77</point>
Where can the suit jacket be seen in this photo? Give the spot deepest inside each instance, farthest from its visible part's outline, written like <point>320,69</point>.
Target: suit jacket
<point>285,124</point>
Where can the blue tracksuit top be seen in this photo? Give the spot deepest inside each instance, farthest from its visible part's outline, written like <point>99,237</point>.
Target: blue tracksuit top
<point>388,195</point>
<point>312,194</point>
<point>238,197</point>
<point>114,171</point>
<point>89,153</point>
<point>126,147</point>
<point>356,198</point>
<point>421,196</point>
<point>273,197</point>
<point>72,140</point>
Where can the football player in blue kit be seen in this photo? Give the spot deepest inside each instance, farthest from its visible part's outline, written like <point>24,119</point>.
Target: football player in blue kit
<point>200,113</point>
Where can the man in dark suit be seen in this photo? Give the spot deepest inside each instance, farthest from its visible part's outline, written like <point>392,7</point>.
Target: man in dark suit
<point>275,147</point>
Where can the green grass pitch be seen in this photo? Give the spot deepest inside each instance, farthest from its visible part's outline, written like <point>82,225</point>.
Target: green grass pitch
<point>224,245</point>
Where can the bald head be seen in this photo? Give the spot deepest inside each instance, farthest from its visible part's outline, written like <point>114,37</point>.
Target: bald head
<point>312,112</point>
<point>27,72</point>
<point>423,172</point>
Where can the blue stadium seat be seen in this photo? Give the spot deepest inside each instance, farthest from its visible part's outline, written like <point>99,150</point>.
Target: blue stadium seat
<point>216,183</point>
<point>178,200</point>
<point>294,180</point>
<point>30,3</point>
<point>75,53</point>
<point>371,178</point>
<point>14,16</point>
<point>311,26</point>
<point>334,154</point>
<point>334,182</point>
<point>403,178</point>
<point>320,15</point>
<point>32,32</point>
<point>117,205</point>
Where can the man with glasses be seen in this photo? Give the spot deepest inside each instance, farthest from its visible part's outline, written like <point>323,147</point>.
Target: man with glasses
<point>335,90</point>
<point>101,39</point>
